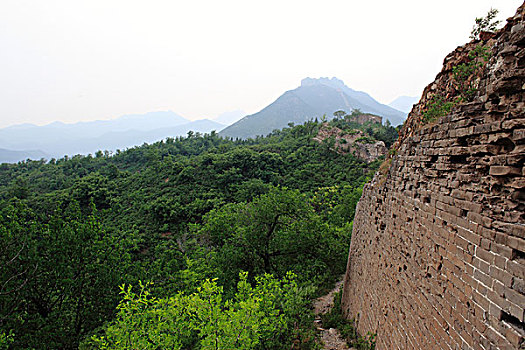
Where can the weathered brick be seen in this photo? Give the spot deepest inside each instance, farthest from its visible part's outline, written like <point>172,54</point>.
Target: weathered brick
<point>437,253</point>
<point>516,243</point>
<point>497,170</point>
<point>511,228</point>
<point>518,134</point>
<point>502,250</point>
<point>511,124</point>
<point>514,337</point>
<point>515,297</point>
<point>517,312</point>
<point>484,255</point>
<point>518,285</point>
<point>501,275</point>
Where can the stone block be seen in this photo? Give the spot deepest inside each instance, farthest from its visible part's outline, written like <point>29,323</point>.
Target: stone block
<point>498,170</point>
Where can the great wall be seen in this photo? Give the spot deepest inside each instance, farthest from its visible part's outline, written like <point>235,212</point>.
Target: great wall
<point>437,259</point>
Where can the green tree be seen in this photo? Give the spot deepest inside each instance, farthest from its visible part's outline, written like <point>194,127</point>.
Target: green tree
<point>485,24</point>
<point>339,114</point>
<point>66,272</point>
<point>174,212</point>
<point>276,232</point>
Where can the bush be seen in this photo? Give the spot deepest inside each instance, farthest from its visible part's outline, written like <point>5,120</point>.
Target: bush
<point>465,73</point>
<point>270,315</point>
<point>5,340</point>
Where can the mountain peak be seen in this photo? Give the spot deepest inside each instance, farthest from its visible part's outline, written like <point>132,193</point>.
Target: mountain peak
<point>332,82</point>
<point>314,98</point>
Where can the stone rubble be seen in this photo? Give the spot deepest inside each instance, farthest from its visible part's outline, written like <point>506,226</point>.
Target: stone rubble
<point>349,143</point>
<point>330,338</point>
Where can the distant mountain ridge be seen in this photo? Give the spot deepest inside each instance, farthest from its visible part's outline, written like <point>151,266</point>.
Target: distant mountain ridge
<point>313,99</point>
<point>10,156</point>
<point>228,118</point>
<point>404,103</point>
<point>147,121</point>
<point>58,139</point>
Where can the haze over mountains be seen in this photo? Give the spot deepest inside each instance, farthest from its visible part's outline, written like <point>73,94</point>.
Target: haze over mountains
<point>228,118</point>
<point>58,139</point>
<point>313,99</point>
<point>10,156</point>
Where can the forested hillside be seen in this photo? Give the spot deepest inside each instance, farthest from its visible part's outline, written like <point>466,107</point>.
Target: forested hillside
<point>196,242</point>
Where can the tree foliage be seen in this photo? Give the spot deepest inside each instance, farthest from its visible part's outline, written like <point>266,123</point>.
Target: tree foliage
<point>57,277</point>
<point>259,317</point>
<point>188,214</point>
<point>485,24</point>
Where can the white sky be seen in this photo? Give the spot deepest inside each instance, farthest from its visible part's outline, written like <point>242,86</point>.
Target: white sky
<point>78,60</point>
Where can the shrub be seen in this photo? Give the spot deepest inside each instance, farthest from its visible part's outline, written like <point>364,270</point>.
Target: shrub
<point>465,73</point>
<point>436,108</point>
<point>5,340</point>
<point>270,315</point>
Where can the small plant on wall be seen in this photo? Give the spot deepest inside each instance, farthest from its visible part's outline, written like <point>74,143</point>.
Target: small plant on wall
<point>485,24</point>
<point>464,74</point>
<point>437,107</point>
<point>465,77</point>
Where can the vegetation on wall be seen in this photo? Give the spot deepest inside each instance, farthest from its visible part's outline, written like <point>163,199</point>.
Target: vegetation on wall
<point>465,75</point>
<point>465,81</point>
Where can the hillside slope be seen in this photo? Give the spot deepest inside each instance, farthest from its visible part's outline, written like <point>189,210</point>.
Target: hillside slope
<point>177,212</point>
<point>437,258</point>
<point>313,99</point>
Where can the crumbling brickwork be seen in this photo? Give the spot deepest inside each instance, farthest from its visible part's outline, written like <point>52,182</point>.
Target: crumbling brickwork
<point>349,143</point>
<point>437,258</point>
<point>366,118</point>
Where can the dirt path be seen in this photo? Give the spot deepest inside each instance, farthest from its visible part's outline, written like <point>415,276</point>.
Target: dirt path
<point>330,337</point>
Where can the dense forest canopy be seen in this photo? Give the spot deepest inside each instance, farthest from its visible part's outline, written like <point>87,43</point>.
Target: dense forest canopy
<point>192,242</point>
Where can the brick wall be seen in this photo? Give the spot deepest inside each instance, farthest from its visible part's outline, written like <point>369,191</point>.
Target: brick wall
<point>437,258</point>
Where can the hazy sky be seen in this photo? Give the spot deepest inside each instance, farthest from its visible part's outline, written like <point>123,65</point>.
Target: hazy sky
<point>81,60</point>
